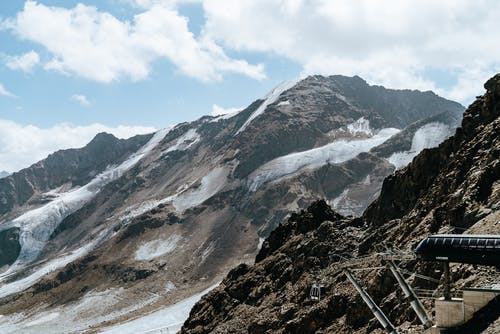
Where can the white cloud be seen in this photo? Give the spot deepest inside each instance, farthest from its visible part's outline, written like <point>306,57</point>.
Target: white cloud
<point>394,43</point>
<point>82,99</point>
<point>5,92</point>
<point>218,111</point>
<point>24,62</point>
<point>98,46</point>
<point>23,145</point>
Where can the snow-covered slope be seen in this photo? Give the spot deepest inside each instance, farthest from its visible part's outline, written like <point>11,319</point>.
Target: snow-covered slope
<point>428,136</point>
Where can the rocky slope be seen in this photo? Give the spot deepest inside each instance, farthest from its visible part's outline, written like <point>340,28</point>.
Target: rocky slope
<point>170,219</point>
<point>453,188</point>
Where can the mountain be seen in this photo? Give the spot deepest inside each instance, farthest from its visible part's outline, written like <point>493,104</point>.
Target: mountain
<point>144,223</point>
<point>4,174</point>
<point>451,188</point>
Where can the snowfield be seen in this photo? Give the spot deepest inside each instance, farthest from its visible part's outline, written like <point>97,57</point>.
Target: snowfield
<point>428,136</point>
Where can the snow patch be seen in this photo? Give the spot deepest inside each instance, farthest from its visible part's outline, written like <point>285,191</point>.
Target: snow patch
<point>428,136</point>
<point>344,205</point>
<point>269,99</point>
<point>184,142</point>
<point>261,242</point>
<point>335,152</point>
<point>166,320</point>
<point>211,183</point>
<point>284,103</point>
<point>157,248</point>
<point>138,209</point>
<point>169,286</point>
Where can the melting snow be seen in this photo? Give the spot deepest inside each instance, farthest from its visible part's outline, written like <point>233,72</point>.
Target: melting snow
<point>138,209</point>
<point>269,99</point>
<point>167,320</point>
<point>211,183</point>
<point>156,248</point>
<point>185,141</point>
<point>335,152</point>
<point>428,136</point>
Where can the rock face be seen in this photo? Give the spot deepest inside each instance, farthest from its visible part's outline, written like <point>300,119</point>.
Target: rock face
<point>453,188</point>
<point>181,208</point>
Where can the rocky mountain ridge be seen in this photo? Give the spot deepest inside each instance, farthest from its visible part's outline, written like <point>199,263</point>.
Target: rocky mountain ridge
<point>454,188</point>
<point>195,200</point>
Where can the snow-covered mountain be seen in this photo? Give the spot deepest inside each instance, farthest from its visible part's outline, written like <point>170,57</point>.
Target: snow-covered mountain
<point>109,232</point>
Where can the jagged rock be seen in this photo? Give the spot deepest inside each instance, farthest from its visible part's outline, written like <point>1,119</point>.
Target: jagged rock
<point>454,186</point>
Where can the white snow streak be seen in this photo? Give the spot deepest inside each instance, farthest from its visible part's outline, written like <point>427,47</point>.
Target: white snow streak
<point>428,136</point>
<point>184,142</point>
<point>167,320</point>
<point>335,152</point>
<point>269,99</point>
<point>157,248</point>
<point>211,183</point>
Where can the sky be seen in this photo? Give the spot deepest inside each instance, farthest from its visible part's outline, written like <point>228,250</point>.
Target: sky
<point>70,69</point>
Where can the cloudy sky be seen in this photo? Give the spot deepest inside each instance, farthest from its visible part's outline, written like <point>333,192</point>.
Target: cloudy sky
<point>69,69</point>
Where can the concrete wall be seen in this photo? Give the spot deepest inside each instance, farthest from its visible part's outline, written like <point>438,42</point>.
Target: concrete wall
<point>449,313</point>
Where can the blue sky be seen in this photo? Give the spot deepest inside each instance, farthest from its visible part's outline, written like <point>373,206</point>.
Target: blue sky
<point>132,66</point>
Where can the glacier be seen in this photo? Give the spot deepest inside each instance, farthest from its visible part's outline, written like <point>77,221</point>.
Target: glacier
<point>428,136</point>
<point>335,152</point>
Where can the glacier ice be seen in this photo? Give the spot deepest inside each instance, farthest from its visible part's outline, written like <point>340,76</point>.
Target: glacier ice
<point>428,136</point>
<point>335,152</point>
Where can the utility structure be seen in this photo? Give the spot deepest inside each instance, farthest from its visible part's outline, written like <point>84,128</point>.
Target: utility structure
<point>377,312</point>
<point>460,248</point>
<point>411,296</point>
